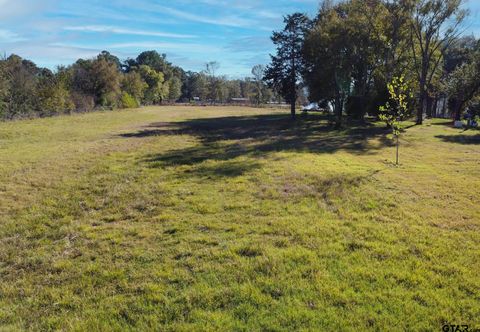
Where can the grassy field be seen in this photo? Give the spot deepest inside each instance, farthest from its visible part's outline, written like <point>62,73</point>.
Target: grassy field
<point>183,219</point>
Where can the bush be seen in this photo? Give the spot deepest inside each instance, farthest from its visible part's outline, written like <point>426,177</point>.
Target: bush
<point>128,101</point>
<point>82,102</point>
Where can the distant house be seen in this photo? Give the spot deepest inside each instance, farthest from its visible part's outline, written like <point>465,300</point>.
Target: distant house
<point>240,101</point>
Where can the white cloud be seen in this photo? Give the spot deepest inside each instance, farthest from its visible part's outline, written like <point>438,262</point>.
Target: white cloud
<point>7,36</point>
<point>116,30</point>
<point>186,47</point>
<point>231,21</point>
<point>50,55</point>
<point>12,9</point>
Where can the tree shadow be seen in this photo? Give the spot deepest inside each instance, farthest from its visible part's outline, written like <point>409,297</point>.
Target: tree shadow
<point>442,122</point>
<point>228,138</point>
<point>225,169</point>
<point>460,139</point>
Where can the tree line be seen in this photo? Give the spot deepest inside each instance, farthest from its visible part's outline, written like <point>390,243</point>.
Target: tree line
<point>344,59</point>
<point>348,54</point>
<point>105,82</point>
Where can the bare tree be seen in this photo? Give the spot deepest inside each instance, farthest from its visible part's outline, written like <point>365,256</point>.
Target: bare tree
<point>258,72</point>
<point>211,69</point>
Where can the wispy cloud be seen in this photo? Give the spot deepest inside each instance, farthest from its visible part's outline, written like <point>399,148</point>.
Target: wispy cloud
<point>12,9</point>
<point>190,47</point>
<point>7,36</point>
<point>261,44</point>
<point>123,31</point>
<point>231,21</point>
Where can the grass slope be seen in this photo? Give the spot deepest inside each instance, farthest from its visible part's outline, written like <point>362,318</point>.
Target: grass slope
<point>235,219</point>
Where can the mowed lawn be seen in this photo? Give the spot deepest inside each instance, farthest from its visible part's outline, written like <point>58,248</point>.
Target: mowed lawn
<point>218,219</point>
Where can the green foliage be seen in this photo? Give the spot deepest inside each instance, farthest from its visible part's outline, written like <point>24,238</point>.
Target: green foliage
<point>329,56</point>
<point>128,101</point>
<point>435,25</point>
<point>53,97</point>
<point>463,84</point>
<point>155,61</point>
<point>134,85</point>
<point>110,58</point>
<point>396,109</point>
<point>200,86</point>
<point>174,89</point>
<point>285,71</point>
<point>106,82</point>
<point>156,90</point>
<point>22,84</point>
<point>343,58</point>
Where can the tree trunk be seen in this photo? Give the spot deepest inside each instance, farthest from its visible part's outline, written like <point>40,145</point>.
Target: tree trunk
<point>292,108</point>
<point>423,91</point>
<point>398,147</point>
<point>338,112</point>
<point>435,107</point>
<point>429,106</point>
<point>458,110</point>
<point>444,107</point>
<point>421,106</point>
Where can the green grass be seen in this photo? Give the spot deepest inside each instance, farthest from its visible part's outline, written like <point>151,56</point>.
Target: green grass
<point>222,219</point>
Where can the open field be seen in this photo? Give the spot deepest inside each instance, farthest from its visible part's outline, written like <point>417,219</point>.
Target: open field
<point>185,219</point>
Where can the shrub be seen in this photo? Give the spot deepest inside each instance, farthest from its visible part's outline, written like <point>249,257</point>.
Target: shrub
<point>128,101</point>
<point>83,102</point>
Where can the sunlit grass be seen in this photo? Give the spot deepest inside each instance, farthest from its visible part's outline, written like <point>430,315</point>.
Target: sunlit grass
<point>235,219</point>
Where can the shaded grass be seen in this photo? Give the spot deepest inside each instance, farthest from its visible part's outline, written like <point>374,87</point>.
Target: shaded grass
<point>462,139</point>
<point>234,219</point>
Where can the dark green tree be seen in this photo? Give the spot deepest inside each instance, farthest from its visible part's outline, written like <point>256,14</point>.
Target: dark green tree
<point>463,84</point>
<point>284,73</point>
<point>434,27</point>
<point>329,61</point>
<point>22,87</point>
<point>4,87</point>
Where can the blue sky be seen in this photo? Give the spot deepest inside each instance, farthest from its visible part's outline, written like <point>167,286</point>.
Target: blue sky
<point>191,32</point>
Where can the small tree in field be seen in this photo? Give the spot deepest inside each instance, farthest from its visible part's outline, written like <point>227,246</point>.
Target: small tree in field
<point>395,110</point>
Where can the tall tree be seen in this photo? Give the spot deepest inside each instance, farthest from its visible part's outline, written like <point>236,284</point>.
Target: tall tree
<point>21,94</point>
<point>154,60</point>
<point>156,91</point>
<point>464,83</point>
<point>258,72</point>
<point>53,96</point>
<point>107,56</point>
<point>174,89</point>
<point>200,86</point>
<point>435,25</point>
<point>106,82</point>
<point>214,84</point>
<point>284,73</point>
<point>134,85</point>
<point>328,54</point>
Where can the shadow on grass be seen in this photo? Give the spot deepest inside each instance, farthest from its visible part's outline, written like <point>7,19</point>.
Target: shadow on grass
<point>460,139</point>
<point>442,122</point>
<point>227,138</point>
